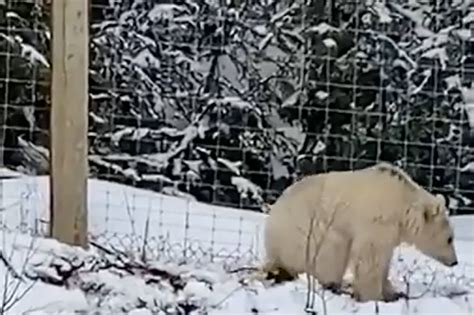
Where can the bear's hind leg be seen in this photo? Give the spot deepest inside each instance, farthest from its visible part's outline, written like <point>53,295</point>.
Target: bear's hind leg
<point>332,260</point>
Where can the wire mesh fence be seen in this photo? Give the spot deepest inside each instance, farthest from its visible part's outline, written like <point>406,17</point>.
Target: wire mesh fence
<point>227,103</point>
<point>24,110</point>
<point>24,85</point>
<point>143,224</point>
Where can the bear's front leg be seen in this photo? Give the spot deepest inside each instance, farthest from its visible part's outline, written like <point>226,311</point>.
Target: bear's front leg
<point>390,294</point>
<point>371,262</point>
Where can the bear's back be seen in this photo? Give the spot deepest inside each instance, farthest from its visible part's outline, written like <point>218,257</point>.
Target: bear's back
<point>348,197</point>
<point>369,194</point>
<point>373,187</point>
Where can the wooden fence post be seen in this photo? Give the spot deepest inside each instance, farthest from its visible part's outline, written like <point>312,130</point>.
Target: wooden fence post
<point>69,121</point>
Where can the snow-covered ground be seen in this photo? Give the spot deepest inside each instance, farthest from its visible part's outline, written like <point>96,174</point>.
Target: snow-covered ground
<point>188,245</point>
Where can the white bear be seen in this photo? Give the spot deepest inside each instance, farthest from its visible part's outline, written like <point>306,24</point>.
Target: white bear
<point>322,221</point>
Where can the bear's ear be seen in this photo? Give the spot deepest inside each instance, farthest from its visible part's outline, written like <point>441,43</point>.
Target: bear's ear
<point>440,199</point>
<point>428,214</point>
<point>441,205</point>
<point>431,211</point>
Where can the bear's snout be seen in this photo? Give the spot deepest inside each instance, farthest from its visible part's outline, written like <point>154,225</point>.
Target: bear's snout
<point>449,262</point>
<point>452,264</point>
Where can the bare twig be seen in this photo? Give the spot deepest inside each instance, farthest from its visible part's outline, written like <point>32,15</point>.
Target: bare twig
<point>243,269</point>
<point>311,266</point>
<point>310,285</point>
<point>145,234</point>
<point>9,267</point>
<point>12,290</point>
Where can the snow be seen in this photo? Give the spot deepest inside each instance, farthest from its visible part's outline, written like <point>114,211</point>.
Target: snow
<point>469,18</point>
<point>30,52</point>
<point>322,95</point>
<point>246,188</point>
<point>169,280</point>
<point>440,53</point>
<point>265,41</point>
<point>468,95</point>
<point>330,43</point>
<point>464,34</point>
<point>383,12</point>
<point>322,28</point>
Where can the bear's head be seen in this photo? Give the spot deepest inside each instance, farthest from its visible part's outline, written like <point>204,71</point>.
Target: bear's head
<point>434,235</point>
